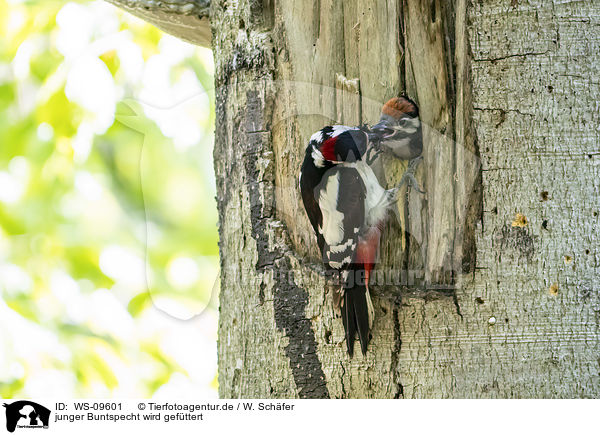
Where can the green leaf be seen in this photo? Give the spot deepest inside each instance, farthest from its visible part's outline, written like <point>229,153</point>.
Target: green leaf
<point>138,303</point>
<point>22,305</point>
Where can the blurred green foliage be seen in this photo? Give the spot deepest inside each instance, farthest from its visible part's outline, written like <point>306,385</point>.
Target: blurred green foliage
<point>108,237</point>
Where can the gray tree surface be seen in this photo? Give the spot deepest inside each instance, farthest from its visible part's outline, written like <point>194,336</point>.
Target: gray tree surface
<point>505,303</point>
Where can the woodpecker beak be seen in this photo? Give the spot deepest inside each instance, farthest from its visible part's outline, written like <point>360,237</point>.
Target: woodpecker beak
<point>382,130</point>
<point>374,138</point>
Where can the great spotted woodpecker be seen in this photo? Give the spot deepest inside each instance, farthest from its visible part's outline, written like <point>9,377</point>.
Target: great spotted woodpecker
<point>399,128</point>
<point>347,206</point>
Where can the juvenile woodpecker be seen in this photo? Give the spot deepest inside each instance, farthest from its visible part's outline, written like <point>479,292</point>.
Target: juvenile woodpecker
<point>347,206</point>
<point>399,128</point>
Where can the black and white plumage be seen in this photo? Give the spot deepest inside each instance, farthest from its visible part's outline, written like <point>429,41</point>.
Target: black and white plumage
<point>347,208</point>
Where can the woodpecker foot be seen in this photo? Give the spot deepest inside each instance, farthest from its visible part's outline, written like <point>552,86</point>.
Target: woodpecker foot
<point>409,175</point>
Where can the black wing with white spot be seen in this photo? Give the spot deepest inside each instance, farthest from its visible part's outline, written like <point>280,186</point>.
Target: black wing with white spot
<point>342,203</point>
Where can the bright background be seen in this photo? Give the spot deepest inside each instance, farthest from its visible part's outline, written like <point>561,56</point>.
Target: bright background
<point>108,225</point>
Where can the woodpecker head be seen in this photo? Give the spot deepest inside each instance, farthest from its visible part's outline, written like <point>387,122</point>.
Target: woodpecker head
<point>399,128</point>
<point>337,144</point>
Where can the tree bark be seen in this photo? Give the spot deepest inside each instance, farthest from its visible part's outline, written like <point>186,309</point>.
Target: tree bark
<point>186,19</point>
<point>504,244</point>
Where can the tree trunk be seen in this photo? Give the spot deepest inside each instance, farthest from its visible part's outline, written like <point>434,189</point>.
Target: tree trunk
<point>502,248</point>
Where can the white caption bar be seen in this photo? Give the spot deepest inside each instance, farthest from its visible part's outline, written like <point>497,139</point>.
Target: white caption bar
<point>297,416</point>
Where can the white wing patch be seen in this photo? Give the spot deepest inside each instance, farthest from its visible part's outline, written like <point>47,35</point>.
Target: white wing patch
<point>317,137</point>
<point>339,129</point>
<point>342,247</point>
<point>333,220</point>
<point>318,157</point>
<point>340,264</point>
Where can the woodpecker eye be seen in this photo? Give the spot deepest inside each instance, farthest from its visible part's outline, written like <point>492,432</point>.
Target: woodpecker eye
<point>402,122</point>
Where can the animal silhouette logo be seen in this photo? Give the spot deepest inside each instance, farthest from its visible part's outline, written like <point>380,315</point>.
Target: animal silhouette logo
<point>26,414</point>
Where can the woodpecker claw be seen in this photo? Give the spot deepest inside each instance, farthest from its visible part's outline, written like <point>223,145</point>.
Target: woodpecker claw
<point>409,178</point>
<point>409,175</point>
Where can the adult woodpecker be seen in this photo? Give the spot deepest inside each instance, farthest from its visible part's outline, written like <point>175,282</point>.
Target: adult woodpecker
<point>347,206</point>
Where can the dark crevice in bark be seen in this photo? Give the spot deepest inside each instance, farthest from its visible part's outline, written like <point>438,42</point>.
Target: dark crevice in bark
<point>396,351</point>
<point>456,304</point>
<point>503,110</point>
<point>317,21</point>
<point>400,393</point>
<point>474,215</point>
<point>496,59</point>
<point>342,380</point>
<point>406,264</point>
<point>402,75</point>
<point>448,26</point>
<point>450,50</point>
<point>223,192</point>
<point>289,304</point>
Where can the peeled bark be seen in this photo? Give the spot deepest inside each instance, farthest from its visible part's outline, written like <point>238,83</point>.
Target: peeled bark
<point>504,243</point>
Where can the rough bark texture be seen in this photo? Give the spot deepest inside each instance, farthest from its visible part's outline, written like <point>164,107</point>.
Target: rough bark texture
<point>508,225</point>
<point>186,19</point>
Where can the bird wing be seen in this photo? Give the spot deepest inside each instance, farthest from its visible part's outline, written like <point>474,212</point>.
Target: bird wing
<point>342,203</point>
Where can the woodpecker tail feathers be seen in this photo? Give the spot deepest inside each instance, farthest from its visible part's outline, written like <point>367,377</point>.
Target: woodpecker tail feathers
<point>357,316</point>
